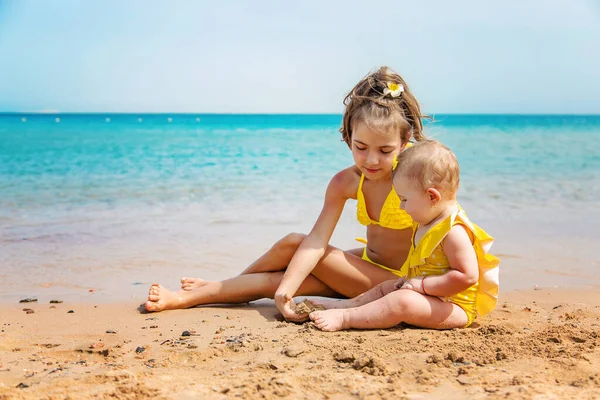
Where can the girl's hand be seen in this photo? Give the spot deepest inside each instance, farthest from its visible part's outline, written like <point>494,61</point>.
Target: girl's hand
<point>287,306</point>
<point>415,284</point>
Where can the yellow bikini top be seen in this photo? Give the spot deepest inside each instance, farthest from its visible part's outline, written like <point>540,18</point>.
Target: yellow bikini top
<point>392,216</point>
<point>421,252</point>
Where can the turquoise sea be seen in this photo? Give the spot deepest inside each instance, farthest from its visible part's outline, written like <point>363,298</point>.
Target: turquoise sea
<point>114,202</point>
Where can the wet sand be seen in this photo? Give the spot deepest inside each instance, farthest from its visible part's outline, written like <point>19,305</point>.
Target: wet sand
<point>537,344</point>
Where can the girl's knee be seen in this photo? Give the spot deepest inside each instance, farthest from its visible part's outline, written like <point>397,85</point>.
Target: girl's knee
<point>291,240</point>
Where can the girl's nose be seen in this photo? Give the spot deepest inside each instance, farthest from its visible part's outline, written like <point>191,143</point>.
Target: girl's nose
<point>372,158</point>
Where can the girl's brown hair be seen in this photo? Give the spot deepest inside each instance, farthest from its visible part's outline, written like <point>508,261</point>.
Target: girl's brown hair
<point>381,112</point>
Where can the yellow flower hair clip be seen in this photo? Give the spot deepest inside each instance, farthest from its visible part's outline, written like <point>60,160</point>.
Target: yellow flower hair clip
<point>393,89</point>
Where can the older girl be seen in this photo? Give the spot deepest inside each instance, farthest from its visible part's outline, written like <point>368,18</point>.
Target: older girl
<point>380,119</point>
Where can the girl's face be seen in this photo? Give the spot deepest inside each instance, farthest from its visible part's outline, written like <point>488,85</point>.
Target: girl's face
<point>373,151</point>
<point>414,200</point>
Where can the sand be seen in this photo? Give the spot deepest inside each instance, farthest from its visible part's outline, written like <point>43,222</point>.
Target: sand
<point>539,344</point>
<point>307,306</point>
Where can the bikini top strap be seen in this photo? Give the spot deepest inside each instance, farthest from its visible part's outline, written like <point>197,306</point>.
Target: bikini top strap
<point>360,185</point>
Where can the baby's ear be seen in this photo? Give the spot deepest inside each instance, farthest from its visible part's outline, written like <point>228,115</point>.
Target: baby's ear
<point>434,196</point>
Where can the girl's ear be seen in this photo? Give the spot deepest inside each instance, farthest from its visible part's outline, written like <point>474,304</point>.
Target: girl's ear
<point>434,196</point>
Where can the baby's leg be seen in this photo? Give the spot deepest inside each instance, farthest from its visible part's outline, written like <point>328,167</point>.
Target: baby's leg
<point>373,294</point>
<point>398,306</point>
<point>276,258</point>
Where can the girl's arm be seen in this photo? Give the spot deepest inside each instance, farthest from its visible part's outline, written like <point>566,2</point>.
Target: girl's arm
<point>313,247</point>
<point>464,271</point>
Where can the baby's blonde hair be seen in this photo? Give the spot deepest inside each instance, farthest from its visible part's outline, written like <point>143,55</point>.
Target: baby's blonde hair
<point>430,164</point>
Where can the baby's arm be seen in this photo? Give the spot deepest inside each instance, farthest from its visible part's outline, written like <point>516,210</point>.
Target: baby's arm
<point>464,271</point>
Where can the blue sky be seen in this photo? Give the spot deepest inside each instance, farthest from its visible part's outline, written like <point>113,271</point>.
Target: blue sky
<point>535,56</point>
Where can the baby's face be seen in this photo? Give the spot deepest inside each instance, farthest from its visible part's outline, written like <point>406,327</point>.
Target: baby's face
<point>414,200</point>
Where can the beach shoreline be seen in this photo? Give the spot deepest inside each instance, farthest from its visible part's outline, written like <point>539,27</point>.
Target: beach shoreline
<point>93,213</point>
<point>540,342</point>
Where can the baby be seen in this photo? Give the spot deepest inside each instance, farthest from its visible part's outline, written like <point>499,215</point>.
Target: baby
<point>448,278</point>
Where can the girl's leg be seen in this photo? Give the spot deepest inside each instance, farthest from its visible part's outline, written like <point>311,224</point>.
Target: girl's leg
<point>276,258</point>
<point>240,289</point>
<point>348,274</point>
<point>337,273</point>
<point>402,305</point>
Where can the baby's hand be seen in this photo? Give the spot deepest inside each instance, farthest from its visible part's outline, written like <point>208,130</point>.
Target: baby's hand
<point>415,284</point>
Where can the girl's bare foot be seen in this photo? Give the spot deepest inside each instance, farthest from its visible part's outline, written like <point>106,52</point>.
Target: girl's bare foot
<point>161,298</point>
<point>192,283</point>
<point>329,320</point>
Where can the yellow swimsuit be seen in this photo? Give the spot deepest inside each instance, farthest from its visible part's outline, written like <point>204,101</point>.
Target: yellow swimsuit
<point>428,258</point>
<point>391,216</point>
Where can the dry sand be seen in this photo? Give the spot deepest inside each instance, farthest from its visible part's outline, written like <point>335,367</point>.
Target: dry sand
<point>538,344</point>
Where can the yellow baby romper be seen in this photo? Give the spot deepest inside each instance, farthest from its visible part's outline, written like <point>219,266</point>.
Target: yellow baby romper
<point>428,258</point>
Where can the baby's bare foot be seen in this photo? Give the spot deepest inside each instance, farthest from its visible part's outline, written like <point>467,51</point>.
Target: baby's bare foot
<point>161,298</point>
<point>329,320</point>
<point>192,283</point>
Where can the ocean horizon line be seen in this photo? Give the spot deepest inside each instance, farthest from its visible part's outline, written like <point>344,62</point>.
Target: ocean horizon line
<point>166,113</point>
